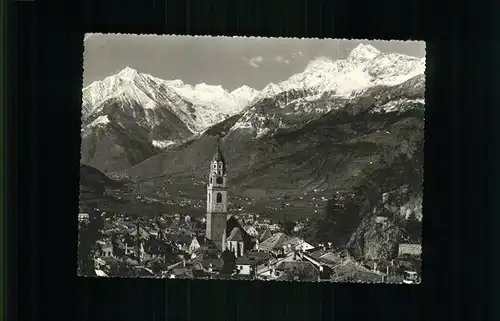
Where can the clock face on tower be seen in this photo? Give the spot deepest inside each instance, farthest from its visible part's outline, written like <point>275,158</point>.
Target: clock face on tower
<point>219,180</point>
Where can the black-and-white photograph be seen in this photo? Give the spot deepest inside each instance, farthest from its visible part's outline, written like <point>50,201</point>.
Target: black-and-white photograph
<point>266,159</point>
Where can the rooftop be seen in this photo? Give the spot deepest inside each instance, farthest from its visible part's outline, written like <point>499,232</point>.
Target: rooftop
<point>235,235</point>
<point>265,235</point>
<point>109,260</point>
<point>305,270</point>
<point>294,241</point>
<point>215,263</point>
<point>253,258</point>
<point>218,156</point>
<point>274,242</point>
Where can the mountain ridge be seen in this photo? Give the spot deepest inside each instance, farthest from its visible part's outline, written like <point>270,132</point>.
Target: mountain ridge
<point>363,111</point>
<point>165,116</point>
<point>320,75</point>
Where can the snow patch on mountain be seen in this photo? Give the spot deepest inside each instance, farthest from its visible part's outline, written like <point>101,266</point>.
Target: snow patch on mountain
<point>99,122</point>
<point>395,105</point>
<point>163,143</point>
<point>262,132</point>
<point>175,83</point>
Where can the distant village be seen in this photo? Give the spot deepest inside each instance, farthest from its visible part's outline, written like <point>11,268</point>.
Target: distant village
<point>221,245</point>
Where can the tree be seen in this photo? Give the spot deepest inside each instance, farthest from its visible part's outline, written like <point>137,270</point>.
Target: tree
<point>288,227</point>
<point>157,267</point>
<point>129,240</point>
<point>153,246</point>
<point>123,269</point>
<point>118,251</point>
<point>229,262</point>
<point>413,229</point>
<point>88,236</point>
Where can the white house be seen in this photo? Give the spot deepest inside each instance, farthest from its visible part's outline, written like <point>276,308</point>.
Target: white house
<point>304,246</point>
<point>100,273</point>
<point>195,244</point>
<point>83,217</point>
<point>106,249</point>
<point>244,268</point>
<point>296,244</point>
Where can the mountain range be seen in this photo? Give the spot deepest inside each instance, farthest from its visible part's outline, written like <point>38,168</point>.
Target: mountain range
<point>355,124</point>
<point>151,114</point>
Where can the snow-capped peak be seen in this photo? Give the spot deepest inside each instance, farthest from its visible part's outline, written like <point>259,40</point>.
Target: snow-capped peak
<point>270,90</point>
<point>364,52</point>
<point>244,94</point>
<point>243,89</point>
<point>217,89</point>
<point>364,67</point>
<point>127,73</point>
<point>199,106</point>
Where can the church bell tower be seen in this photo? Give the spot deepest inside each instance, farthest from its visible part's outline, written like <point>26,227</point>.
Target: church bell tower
<point>217,199</point>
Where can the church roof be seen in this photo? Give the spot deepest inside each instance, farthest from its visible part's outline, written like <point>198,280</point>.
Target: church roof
<point>265,235</point>
<point>233,223</point>
<point>235,235</point>
<point>218,156</point>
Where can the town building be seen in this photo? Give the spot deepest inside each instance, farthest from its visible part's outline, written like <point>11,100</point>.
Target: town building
<point>274,244</point>
<point>83,217</point>
<point>252,261</point>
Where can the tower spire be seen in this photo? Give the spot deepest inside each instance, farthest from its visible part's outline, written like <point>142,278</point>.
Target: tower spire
<point>218,157</point>
<point>219,141</point>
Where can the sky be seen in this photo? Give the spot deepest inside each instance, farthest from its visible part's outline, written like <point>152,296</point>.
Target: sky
<point>227,61</point>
